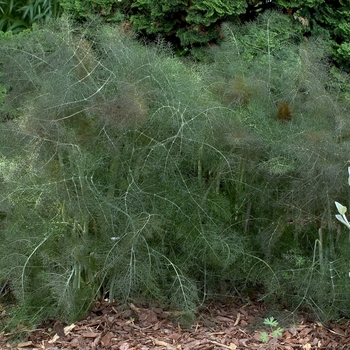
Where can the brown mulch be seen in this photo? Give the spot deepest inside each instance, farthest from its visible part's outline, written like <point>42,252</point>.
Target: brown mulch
<point>218,326</point>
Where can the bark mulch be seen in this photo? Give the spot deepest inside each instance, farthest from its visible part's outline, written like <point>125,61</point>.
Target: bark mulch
<point>218,326</point>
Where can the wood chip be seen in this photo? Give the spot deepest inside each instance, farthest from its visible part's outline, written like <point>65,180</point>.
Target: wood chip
<point>222,345</point>
<point>69,328</point>
<point>90,335</point>
<point>217,327</point>
<point>25,344</point>
<point>224,319</point>
<point>59,329</point>
<point>159,342</point>
<point>106,339</point>
<point>124,346</point>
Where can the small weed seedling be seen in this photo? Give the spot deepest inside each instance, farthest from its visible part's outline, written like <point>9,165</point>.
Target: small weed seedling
<point>274,331</point>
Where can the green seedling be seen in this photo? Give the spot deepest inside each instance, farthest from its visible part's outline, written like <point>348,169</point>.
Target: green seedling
<point>274,331</point>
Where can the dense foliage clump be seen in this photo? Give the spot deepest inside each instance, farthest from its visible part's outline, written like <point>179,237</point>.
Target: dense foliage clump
<point>129,174</point>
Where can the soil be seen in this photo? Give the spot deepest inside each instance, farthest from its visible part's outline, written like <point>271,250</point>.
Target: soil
<point>230,325</point>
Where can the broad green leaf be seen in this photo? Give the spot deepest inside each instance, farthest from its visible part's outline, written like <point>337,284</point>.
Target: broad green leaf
<point>341,208</point>
<point>343,220</point>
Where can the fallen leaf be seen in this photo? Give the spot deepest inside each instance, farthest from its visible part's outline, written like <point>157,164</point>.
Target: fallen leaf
<point>307,346</point>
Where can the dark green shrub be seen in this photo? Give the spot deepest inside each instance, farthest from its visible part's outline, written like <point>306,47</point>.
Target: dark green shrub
<point>185,25</point>
<point>191,24</point>
<point>332,20</point>
<point>110,10</point>
<point>19,15</point>
<point>188,26</point>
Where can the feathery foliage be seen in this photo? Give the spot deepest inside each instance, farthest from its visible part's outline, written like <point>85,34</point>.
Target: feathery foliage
<point>104,174</point>
<point>295,172</point>
<point>129,173</point>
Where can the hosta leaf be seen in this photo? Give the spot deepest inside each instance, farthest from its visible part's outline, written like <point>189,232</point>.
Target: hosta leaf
<point>343,220</point>
<point>341,208</point>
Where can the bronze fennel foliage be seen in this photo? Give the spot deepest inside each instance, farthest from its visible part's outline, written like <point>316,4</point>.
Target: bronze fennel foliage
<point>128,173</point>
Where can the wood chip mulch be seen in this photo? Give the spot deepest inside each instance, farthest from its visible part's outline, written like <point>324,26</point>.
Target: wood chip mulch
<point>217,327</point>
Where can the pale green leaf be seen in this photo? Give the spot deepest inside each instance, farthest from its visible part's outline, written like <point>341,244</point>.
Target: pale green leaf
<point>343,220</point>
<point>341,208</point>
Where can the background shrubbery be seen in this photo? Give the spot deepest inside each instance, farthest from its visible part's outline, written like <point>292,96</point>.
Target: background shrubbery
<point>189,27</point>
<point>17,15</point>
<point>192,26</point>
<point>129,173</point>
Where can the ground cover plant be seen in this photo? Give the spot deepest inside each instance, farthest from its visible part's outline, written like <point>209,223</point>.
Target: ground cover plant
<point>129,174</point>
